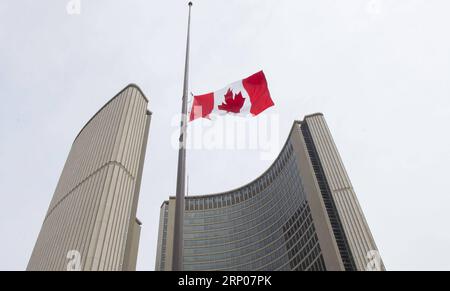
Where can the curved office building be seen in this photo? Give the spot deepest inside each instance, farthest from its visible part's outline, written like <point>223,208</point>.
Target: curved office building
<point>91,221</point>
<point>301,214</point>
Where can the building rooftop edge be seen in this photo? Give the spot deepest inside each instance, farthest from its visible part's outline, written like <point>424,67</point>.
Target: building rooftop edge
<point>164,202</point>
<point>313,114</point>
<point>131,85</point>
<point>261,175</point>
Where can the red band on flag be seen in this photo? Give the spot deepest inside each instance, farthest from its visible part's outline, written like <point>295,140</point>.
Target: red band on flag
<point>256,87</point>
<point>202,106</point>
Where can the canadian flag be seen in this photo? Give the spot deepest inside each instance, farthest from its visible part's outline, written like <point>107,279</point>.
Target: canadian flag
<point>249,95</point>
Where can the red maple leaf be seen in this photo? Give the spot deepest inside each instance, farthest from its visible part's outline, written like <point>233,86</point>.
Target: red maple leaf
<point>233,102</point>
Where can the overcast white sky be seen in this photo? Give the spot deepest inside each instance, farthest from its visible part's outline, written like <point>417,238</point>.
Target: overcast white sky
<point>378,70</point>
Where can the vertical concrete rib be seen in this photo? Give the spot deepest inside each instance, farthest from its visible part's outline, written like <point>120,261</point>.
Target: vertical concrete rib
<point>354,223</point>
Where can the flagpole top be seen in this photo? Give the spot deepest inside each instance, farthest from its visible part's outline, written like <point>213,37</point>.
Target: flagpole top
<point>190,3</point>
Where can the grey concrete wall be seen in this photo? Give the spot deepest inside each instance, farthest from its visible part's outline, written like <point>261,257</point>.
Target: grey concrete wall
<point>357,231</point>
<point>330,251</point>
<point>95,199</point>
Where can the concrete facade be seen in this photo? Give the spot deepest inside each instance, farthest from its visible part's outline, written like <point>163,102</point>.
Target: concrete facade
<point>301,214</point>
<point>93,210</point>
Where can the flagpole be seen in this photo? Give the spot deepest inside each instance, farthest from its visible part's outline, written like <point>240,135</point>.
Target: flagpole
<point>177,254</point>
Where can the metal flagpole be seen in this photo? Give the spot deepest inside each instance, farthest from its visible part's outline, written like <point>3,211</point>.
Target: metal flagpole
<point>177,254</point>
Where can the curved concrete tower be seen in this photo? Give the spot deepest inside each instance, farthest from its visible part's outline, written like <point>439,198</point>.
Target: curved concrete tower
<point>91,222</point>
<point>300,214</point>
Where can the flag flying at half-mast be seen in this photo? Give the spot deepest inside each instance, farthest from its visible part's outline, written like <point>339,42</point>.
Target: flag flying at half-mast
<point>247,96</point>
